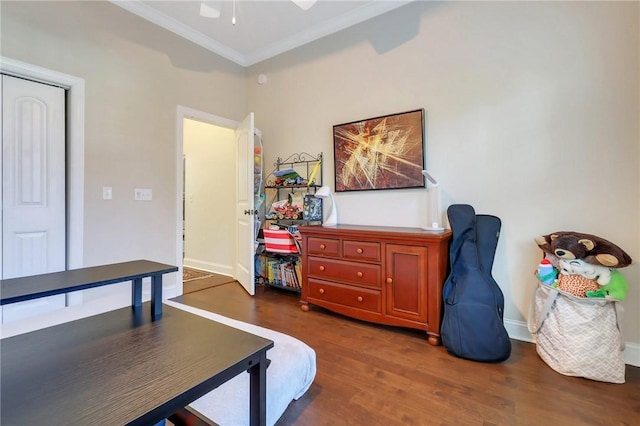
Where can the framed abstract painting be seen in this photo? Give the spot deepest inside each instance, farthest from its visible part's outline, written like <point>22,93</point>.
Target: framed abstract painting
<point>384,152</point>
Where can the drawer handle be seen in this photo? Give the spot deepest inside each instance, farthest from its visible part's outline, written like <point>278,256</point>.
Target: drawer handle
<point>321,291</point>
<point>322,247</point>
<point>359,274</point>
<point>389,281</point>
<point>359,299</point>
<point>321,267</point>
<point>359,251</point>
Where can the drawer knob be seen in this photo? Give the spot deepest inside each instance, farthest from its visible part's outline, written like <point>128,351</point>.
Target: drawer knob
<point>321,291</point>
<point>321,267</point>
<point>359,299</point>
<point>359,274</point>
<point>389,280</point>
<point>322,246</point>
<point>359,251</point>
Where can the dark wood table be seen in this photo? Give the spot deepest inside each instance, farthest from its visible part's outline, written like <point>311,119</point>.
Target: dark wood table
<point>32,287</point>
<point>123,368</point>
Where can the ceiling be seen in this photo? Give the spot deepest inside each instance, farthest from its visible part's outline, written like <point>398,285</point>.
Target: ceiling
<point>263,29</point>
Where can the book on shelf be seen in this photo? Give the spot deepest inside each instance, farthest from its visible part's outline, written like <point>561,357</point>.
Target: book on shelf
<point>312,207</point>
<point>298,270</point>
<point>279,270</point>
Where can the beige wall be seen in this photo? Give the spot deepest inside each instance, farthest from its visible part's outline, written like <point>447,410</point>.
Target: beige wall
<point>136,74</point>
<point>209,197</point>
<point>532,116</point>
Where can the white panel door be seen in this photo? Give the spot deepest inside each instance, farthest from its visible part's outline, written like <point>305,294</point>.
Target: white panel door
<point>245,218</point>
<point>33,187</point>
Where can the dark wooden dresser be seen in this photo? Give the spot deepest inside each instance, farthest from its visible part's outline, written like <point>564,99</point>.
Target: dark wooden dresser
<point>386,275</point>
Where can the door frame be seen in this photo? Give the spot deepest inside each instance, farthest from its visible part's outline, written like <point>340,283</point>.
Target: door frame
<point>183,112</point>
<point>75,105</point>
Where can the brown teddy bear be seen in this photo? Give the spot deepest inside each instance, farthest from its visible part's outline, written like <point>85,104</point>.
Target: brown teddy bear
<point>590,248</point>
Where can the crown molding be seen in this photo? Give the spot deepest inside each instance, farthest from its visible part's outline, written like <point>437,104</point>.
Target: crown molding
<point>356,16</point>
<point>168,23</point>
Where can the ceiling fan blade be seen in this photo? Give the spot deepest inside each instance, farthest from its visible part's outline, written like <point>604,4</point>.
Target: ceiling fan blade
<point>304,4</point>
<point>210,9</point>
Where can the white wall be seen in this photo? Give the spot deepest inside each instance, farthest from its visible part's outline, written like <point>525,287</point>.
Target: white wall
<point>136,74</point>
<point>532,116</point>
<point>210,197</point>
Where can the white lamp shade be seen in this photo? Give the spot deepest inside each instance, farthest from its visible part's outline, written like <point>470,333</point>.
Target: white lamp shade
<point>432,204</point>
<point>325,192</point>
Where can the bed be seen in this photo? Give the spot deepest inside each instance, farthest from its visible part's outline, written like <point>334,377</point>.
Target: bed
<point>289,376</point>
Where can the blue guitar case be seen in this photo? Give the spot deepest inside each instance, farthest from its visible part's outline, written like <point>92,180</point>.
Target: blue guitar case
<point>472,327</point>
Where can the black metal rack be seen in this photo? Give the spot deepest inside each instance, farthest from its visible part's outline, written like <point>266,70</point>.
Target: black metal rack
<point>309,167</point>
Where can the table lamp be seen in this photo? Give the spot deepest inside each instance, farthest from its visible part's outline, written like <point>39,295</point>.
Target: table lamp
<point>325,192</point>
<point>433,205</point>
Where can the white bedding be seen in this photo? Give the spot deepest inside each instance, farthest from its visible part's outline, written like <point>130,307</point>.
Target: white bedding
<point>289,376</point>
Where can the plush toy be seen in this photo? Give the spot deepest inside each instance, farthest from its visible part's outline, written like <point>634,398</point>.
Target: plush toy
<point>553,259</point>
<point>577,285</point>
<point>590,248</point>
<point>616,288</point>
<point>601,274</point>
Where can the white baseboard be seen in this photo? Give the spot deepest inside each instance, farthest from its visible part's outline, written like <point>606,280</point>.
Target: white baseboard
<point>216,268</point>
<point>518,330</point>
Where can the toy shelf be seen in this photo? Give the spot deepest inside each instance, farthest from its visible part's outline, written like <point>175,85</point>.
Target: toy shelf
<point>292,179</point>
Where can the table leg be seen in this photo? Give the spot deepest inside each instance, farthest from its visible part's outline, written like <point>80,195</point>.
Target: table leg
<point>136,293</point>
<point>156,297</point>
<point>258,392</point>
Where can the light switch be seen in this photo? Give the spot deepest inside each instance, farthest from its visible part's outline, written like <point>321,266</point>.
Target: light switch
<point>107,193</point>
<point>143,194</point>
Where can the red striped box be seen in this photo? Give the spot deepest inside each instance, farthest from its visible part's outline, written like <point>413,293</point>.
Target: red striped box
<point>279,241</point>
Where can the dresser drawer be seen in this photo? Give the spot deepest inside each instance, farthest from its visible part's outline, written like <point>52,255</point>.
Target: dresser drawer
<point>361,250</point>
<point>323,246</point>
<point>340,270</point>
<point>355,297</point>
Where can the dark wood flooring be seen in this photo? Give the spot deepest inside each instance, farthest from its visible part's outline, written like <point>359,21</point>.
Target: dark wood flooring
<point>378,375</point>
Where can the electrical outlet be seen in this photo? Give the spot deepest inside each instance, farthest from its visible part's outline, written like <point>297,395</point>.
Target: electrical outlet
<point>143,194</point>
<point>107,193</point>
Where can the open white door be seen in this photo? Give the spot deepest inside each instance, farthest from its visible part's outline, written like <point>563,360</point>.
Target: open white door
<point>245,211</point>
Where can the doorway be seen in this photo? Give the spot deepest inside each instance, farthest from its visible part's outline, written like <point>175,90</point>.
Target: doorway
<point>209,188</point>
<point>205,233</point>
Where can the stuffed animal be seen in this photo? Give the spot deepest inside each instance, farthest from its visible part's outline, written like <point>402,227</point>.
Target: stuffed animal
<point>590,248</point>
<point>616,288</point>
<point>577,285</point>
<point>600,274</point>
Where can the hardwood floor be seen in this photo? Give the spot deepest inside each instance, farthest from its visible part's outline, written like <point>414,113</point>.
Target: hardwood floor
<point>378,375</point>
